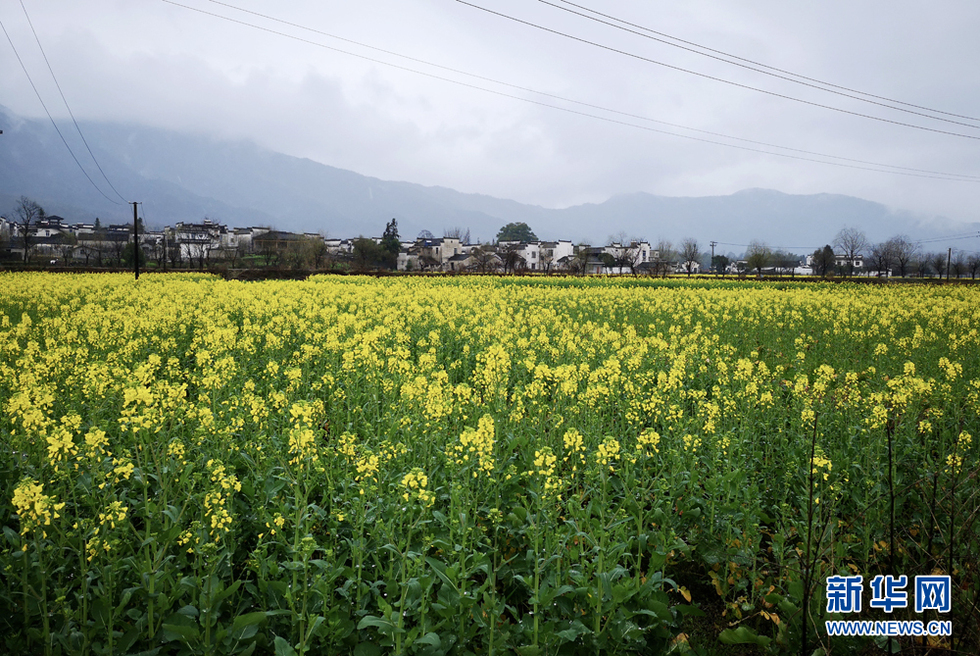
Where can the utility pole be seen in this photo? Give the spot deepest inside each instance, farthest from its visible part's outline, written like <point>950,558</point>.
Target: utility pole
<point>713,256</point>
<point>136,243</point>
<point>949,257</point>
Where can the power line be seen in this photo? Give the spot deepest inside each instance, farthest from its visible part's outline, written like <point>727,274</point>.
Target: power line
<point>70,113</point>
<point>957,237</point>
<point>787,248</point>
<point>57,129</point>
<point>972,235</point>
<point>772,70</point>
<point>564,99</point>
<point>715,78</point>
<point>851,163</point>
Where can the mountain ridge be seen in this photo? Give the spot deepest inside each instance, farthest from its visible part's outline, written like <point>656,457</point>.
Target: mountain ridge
<point>185,177</point>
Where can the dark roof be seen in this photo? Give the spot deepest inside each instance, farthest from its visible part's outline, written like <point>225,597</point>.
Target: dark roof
<point>276,235</point>
<point>18,242</point>
<point>114,235</point>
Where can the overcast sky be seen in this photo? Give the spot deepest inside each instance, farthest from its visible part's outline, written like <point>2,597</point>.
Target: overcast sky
<point>156,63</point>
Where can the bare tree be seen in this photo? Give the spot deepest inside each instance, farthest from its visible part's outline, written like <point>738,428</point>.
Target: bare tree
<point>882,256</point>
<point>918,265</point>
<point>665,256</point>
<point>903,252</point>
<point>624,251</point>
<point>511,258</point>
<point>198,250</point>
<point>757,256</point>
<point>958,266</point>
<point>66,245</point>
<point>154,251</point>
<point>484,258</point>
<point>690,253</point>
<point>579,260</point>
<point>850,242</point>
<point>457,232</point>
<point>973,265</point>
<point>784,261</point>
<point>547,259</point>
<point>234,254</point>
<point>117,246</point>
<point>269,249</point>
<point>937,262</point>
<point>310,252</point>
<point>175,251</point>
<point>27,214</point>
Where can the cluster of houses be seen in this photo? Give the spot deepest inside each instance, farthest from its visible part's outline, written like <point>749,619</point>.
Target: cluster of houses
<point>198,245</point>
<point>185,244</point>
<point>450,254</point>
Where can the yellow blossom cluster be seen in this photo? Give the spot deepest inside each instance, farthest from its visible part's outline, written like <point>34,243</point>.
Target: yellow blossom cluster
<point>100,542</point>
<point>96,443</point>
<point>217,500</point>
<point>367,467</point>
<point>476,446</point>
<point>302,446</point>
<point>647,442</point>
<point>574,449</point>
<point>415,483</point>
<point>545,462</point>
<point>607,453</point>
<point>954,461</point>
<point>35,508</point>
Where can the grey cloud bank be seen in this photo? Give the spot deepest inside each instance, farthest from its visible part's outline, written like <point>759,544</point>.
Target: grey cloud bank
<point>159,65</point>
<point>183,177</point>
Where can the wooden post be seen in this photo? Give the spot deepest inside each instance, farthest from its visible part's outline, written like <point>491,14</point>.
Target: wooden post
<point>136,244</point>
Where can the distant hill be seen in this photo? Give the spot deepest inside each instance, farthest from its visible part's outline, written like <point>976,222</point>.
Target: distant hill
<point>185,177</point>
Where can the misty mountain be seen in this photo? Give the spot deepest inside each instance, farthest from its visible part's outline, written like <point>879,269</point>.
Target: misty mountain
<point>185,177</point>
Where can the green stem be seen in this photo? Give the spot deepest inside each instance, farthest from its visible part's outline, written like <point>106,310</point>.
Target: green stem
<point>306,596</point>
<point>45,622</point>
<point>537,574</point>
<point>404,595</point>
<point>597,611</point>
<point>112,611</point>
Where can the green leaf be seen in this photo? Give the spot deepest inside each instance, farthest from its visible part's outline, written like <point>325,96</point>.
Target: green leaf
<point>187,634</point>
<point>529,650</point>
<point>743,635</point>
<point>367,649</point>
<point>227,592</point>
<point>573,632</point>
<point>386,627</point>
<point>692,611</point>
<point>431,639</point>
<point>283,648</point>
<point>248,619</point>
<point>11,536</point>
<point>246,626</point>
<point>315,624</point>
<point>248,650</point>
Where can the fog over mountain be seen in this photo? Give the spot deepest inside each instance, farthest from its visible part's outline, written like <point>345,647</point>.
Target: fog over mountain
<point>185,177</point>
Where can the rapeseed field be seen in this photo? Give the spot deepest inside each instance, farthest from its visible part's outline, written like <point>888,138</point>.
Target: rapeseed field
<point>479,465</point>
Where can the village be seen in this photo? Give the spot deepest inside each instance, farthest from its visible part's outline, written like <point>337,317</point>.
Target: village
<point>52,240</point>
